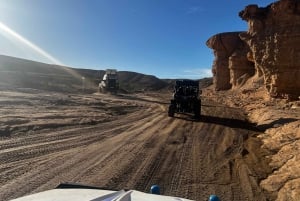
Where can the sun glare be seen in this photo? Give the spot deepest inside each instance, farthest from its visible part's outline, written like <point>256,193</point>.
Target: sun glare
<point>6,30</point>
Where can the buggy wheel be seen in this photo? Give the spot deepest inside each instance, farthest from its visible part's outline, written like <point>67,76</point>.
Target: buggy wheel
<point>197,109</point>
<point>171,111</point>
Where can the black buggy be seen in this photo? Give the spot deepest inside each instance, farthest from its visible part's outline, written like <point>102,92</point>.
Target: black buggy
<point>185,98</point>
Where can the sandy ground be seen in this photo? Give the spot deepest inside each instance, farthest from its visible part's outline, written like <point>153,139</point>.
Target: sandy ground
<point>127,141</point>
<point>279,120</point>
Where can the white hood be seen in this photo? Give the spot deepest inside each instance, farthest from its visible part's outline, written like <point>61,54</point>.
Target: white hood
<point>95,195</point>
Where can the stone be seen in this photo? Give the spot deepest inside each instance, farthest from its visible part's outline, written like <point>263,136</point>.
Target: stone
<point>231,66</point>
<point>241,68</point>
<point>273,37</point>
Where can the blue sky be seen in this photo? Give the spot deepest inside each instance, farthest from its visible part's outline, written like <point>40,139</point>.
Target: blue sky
<point>165,38</point>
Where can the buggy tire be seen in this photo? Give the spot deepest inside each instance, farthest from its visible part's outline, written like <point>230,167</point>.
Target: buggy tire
<point>171,111</point>
<point>197,109</point>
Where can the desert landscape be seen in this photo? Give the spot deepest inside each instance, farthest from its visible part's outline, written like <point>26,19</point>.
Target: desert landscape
<point>126,141</point>
<point>55,127</point>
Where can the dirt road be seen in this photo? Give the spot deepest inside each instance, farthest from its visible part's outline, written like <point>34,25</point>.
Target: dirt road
<point>126,142</point>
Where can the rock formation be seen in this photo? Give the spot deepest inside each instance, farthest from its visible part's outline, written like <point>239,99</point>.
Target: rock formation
<point>240,66</point>
<point>274,39</point>
<point>271,46</point>
<point>231,61</point>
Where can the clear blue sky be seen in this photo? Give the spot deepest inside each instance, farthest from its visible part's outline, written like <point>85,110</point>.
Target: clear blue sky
<point>165,38</point>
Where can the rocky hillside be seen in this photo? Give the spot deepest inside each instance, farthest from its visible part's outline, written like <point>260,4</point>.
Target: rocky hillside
<point>21,73</point>
<point>258,70</point>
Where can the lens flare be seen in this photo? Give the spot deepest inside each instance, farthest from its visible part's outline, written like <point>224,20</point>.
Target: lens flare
<point>6,29</point>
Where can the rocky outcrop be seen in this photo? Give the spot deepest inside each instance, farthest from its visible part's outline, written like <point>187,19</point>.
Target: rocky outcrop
<point>231,63</point>
<point>241,68</point>
<point>274,39</point>
<point>270,48</point>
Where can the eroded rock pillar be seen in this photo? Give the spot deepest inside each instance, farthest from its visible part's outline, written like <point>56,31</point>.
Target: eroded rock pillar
<point>241,68</point>
<point>230,61</point>
<point>274,39</point>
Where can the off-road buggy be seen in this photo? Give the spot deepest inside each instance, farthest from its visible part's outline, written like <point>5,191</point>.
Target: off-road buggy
<point>185,98</point>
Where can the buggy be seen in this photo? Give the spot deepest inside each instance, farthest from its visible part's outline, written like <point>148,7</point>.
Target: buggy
<point>185,98</point>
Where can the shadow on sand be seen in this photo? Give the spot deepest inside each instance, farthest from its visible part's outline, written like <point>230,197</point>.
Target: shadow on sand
<point>140,99</point>
<point>276,123</point>
<point>228,122</point>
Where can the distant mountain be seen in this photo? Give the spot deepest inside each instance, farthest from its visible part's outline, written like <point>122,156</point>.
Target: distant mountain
<point>22,73</point>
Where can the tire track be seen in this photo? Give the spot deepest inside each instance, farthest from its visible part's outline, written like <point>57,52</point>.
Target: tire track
<point>145,147</point>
